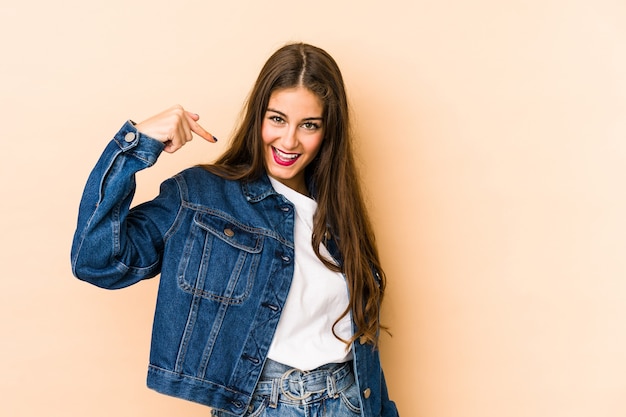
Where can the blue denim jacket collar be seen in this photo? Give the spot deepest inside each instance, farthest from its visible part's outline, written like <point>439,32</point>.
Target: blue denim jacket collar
<point>257,190</point>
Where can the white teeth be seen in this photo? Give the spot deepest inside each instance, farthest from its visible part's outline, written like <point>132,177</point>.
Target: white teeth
<point>283,155</point>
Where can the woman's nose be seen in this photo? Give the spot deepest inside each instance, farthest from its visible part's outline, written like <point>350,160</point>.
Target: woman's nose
<point>290,139</point>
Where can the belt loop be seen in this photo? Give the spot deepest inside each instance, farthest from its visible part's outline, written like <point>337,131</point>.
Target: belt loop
<point>274,395</point>
<point>331,385</point>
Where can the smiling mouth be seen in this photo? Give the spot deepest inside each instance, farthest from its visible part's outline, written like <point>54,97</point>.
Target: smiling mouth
<point>283,158</point>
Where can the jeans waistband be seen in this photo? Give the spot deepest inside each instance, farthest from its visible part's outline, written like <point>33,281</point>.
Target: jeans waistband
<point>288,384</point>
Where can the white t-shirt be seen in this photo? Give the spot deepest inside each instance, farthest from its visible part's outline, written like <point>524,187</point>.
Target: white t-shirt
<point>317,297</point>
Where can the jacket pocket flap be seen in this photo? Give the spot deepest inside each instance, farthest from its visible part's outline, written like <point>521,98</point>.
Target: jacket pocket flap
<point>234,234</point>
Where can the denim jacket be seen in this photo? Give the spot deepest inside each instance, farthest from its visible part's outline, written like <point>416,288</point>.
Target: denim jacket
<point>225,253</point>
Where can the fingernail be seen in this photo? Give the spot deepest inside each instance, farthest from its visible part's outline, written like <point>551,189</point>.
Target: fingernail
<point>214,138</point>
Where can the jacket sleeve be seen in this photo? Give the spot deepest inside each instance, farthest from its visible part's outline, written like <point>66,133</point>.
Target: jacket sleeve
<point>113,246</point>
<point>388,408</point>
<point>371,381</point>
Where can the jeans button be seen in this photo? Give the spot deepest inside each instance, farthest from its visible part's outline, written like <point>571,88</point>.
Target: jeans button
<point>367,393</point>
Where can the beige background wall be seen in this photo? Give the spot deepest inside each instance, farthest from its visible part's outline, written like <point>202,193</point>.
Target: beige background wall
<point>492,138</point>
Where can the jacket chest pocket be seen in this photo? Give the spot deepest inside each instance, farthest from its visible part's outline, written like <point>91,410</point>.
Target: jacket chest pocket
<point>220,259</point>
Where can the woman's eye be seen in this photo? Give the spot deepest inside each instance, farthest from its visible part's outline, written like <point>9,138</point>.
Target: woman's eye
<point>276,119</point>
<point>310,126</point>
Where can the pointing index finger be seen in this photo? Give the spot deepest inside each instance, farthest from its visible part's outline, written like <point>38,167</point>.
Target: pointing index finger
<point>199,130</point>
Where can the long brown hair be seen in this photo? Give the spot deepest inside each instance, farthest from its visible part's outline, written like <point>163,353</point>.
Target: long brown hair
<point>341,211</point>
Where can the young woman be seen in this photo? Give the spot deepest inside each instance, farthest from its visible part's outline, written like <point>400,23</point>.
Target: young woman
<point>271,283</point>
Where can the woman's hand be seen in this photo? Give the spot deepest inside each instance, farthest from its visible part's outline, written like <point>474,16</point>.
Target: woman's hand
<point>174,127</point>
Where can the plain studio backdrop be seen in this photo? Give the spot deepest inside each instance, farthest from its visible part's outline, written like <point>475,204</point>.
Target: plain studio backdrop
<point>492,146</point>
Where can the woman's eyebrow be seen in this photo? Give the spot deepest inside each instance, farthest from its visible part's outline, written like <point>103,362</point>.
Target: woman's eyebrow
<point>285,116</point>
<point>277,111</point>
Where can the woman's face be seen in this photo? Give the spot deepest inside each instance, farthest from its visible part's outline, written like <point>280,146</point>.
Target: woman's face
<point>292,132</point>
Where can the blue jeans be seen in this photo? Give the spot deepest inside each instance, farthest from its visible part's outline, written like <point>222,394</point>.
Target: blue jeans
<point>328,391</point>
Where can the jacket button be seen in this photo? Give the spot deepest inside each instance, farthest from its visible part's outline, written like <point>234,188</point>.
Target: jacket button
<point>229,232</point>
<point>367,393</point>
<point>130,136</point>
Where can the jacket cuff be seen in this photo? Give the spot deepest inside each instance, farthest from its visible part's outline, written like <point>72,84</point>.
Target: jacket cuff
<point>130,140</point>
